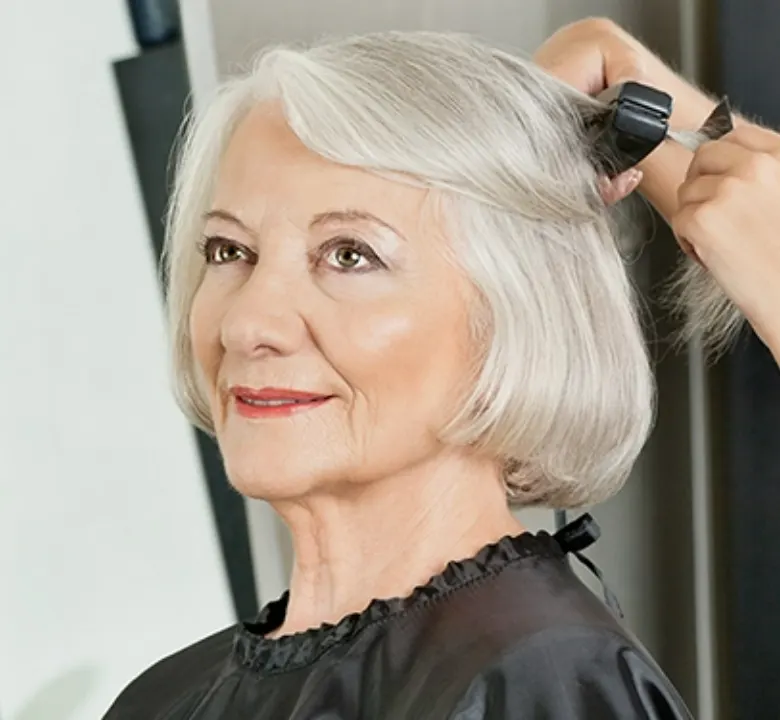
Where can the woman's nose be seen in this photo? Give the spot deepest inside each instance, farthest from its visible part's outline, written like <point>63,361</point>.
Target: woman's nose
<point>264,316</point>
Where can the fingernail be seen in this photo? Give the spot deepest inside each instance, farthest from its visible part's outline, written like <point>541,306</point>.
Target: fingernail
<point>634,177</point>
<point>630,181</point>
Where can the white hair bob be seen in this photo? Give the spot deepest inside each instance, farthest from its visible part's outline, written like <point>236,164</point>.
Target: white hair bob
<point>564,395</point>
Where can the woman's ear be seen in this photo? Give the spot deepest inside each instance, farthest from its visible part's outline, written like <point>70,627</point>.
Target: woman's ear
<point>613,190</point>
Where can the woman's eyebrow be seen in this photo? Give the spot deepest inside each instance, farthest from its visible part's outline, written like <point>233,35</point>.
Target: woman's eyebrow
<point>217,214</point>
<point>351,216</point>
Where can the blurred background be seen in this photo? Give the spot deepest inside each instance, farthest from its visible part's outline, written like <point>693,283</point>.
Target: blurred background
<point>120,540</point>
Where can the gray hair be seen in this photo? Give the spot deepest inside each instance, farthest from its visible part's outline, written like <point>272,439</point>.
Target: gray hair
<point>692,293</point>
<point>564,393</point>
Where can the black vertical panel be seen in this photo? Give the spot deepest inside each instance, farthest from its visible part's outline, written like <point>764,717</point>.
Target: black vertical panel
<point>154,91</point>
<point>749,57</point>
<point>753,512</point>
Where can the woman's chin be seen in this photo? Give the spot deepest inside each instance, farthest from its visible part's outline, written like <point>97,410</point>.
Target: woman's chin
<point>272,481</point>
<point>264,487</point>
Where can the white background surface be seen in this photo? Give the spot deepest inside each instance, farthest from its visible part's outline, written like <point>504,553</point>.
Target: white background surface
<point>108,558</point>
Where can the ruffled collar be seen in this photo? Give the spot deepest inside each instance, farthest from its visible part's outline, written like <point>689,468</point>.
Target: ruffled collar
<point>268,656</point>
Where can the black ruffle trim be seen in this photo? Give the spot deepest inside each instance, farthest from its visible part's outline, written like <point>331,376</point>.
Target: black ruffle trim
<point>270,656</point>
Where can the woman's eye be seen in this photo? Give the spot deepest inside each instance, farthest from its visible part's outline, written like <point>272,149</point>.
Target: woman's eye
<point>351,255</point>
<point>347,258</point>
<point>220,251</point>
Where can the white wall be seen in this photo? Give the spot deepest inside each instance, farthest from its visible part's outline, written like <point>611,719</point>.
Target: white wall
<point>108,558</point>
<point>244,26</point>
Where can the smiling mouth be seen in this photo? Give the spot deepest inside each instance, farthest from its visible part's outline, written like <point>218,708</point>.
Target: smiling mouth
<point>266,404</point>
<point>275,403</point>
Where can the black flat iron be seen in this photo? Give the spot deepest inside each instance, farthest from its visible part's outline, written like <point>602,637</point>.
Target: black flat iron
<point>637,122</point>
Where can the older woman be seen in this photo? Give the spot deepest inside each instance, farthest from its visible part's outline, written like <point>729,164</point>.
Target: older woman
<point>397,301</point>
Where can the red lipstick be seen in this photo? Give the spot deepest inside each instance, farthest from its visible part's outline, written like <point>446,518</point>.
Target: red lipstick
<point>274,402</point>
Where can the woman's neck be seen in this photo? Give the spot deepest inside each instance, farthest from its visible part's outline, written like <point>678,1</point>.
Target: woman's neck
<point>381,540</point>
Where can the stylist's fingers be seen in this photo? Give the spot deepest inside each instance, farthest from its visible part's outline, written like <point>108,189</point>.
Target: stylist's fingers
<point>730,186</point>
<point>613,190</point>
<point>693,221</point>
<point>692,195</point>
<point>692,210</point>
<point>747,152</point>
<point>735,161</point>
<point>591,55</point>
<point>753,137</point>
<point>699,190</point>
<point>578,65</point>
<point>717,157</point>
<point>623,63</point>
<point>722,157</point>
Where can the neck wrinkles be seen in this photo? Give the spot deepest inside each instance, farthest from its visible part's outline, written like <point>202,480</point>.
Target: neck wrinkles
<point>382,540</point>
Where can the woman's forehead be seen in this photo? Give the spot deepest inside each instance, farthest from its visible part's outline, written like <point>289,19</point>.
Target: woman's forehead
<point>266,167</point>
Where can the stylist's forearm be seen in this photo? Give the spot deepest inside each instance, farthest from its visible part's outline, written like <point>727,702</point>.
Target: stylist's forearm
<point>666,168</point>
<point>664,172</point>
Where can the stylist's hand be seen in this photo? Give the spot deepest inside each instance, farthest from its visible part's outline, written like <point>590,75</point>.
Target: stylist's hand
<point>594,54</point>
<point>729,216</point>
<point>723,202</point>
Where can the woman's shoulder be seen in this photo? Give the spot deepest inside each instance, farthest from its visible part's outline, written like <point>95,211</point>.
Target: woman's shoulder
<point>532,639</point>
<point>572,672</point>
<point>516,589</point>
<point>172,687</point>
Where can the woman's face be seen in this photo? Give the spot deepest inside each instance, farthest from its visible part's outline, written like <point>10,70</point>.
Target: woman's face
<point>331,330</point>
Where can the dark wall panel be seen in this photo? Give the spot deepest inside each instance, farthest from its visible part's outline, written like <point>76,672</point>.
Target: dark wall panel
<point>749,57</point>
<point>154,90</point>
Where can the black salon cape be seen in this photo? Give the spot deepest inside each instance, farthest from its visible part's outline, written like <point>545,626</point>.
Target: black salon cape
<point>510,633</point>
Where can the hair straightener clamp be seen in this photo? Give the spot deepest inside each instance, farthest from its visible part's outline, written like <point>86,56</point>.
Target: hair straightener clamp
<point>636,124</point>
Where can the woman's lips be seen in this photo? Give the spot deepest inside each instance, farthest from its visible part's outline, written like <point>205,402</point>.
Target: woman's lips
<point>274,402</point>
